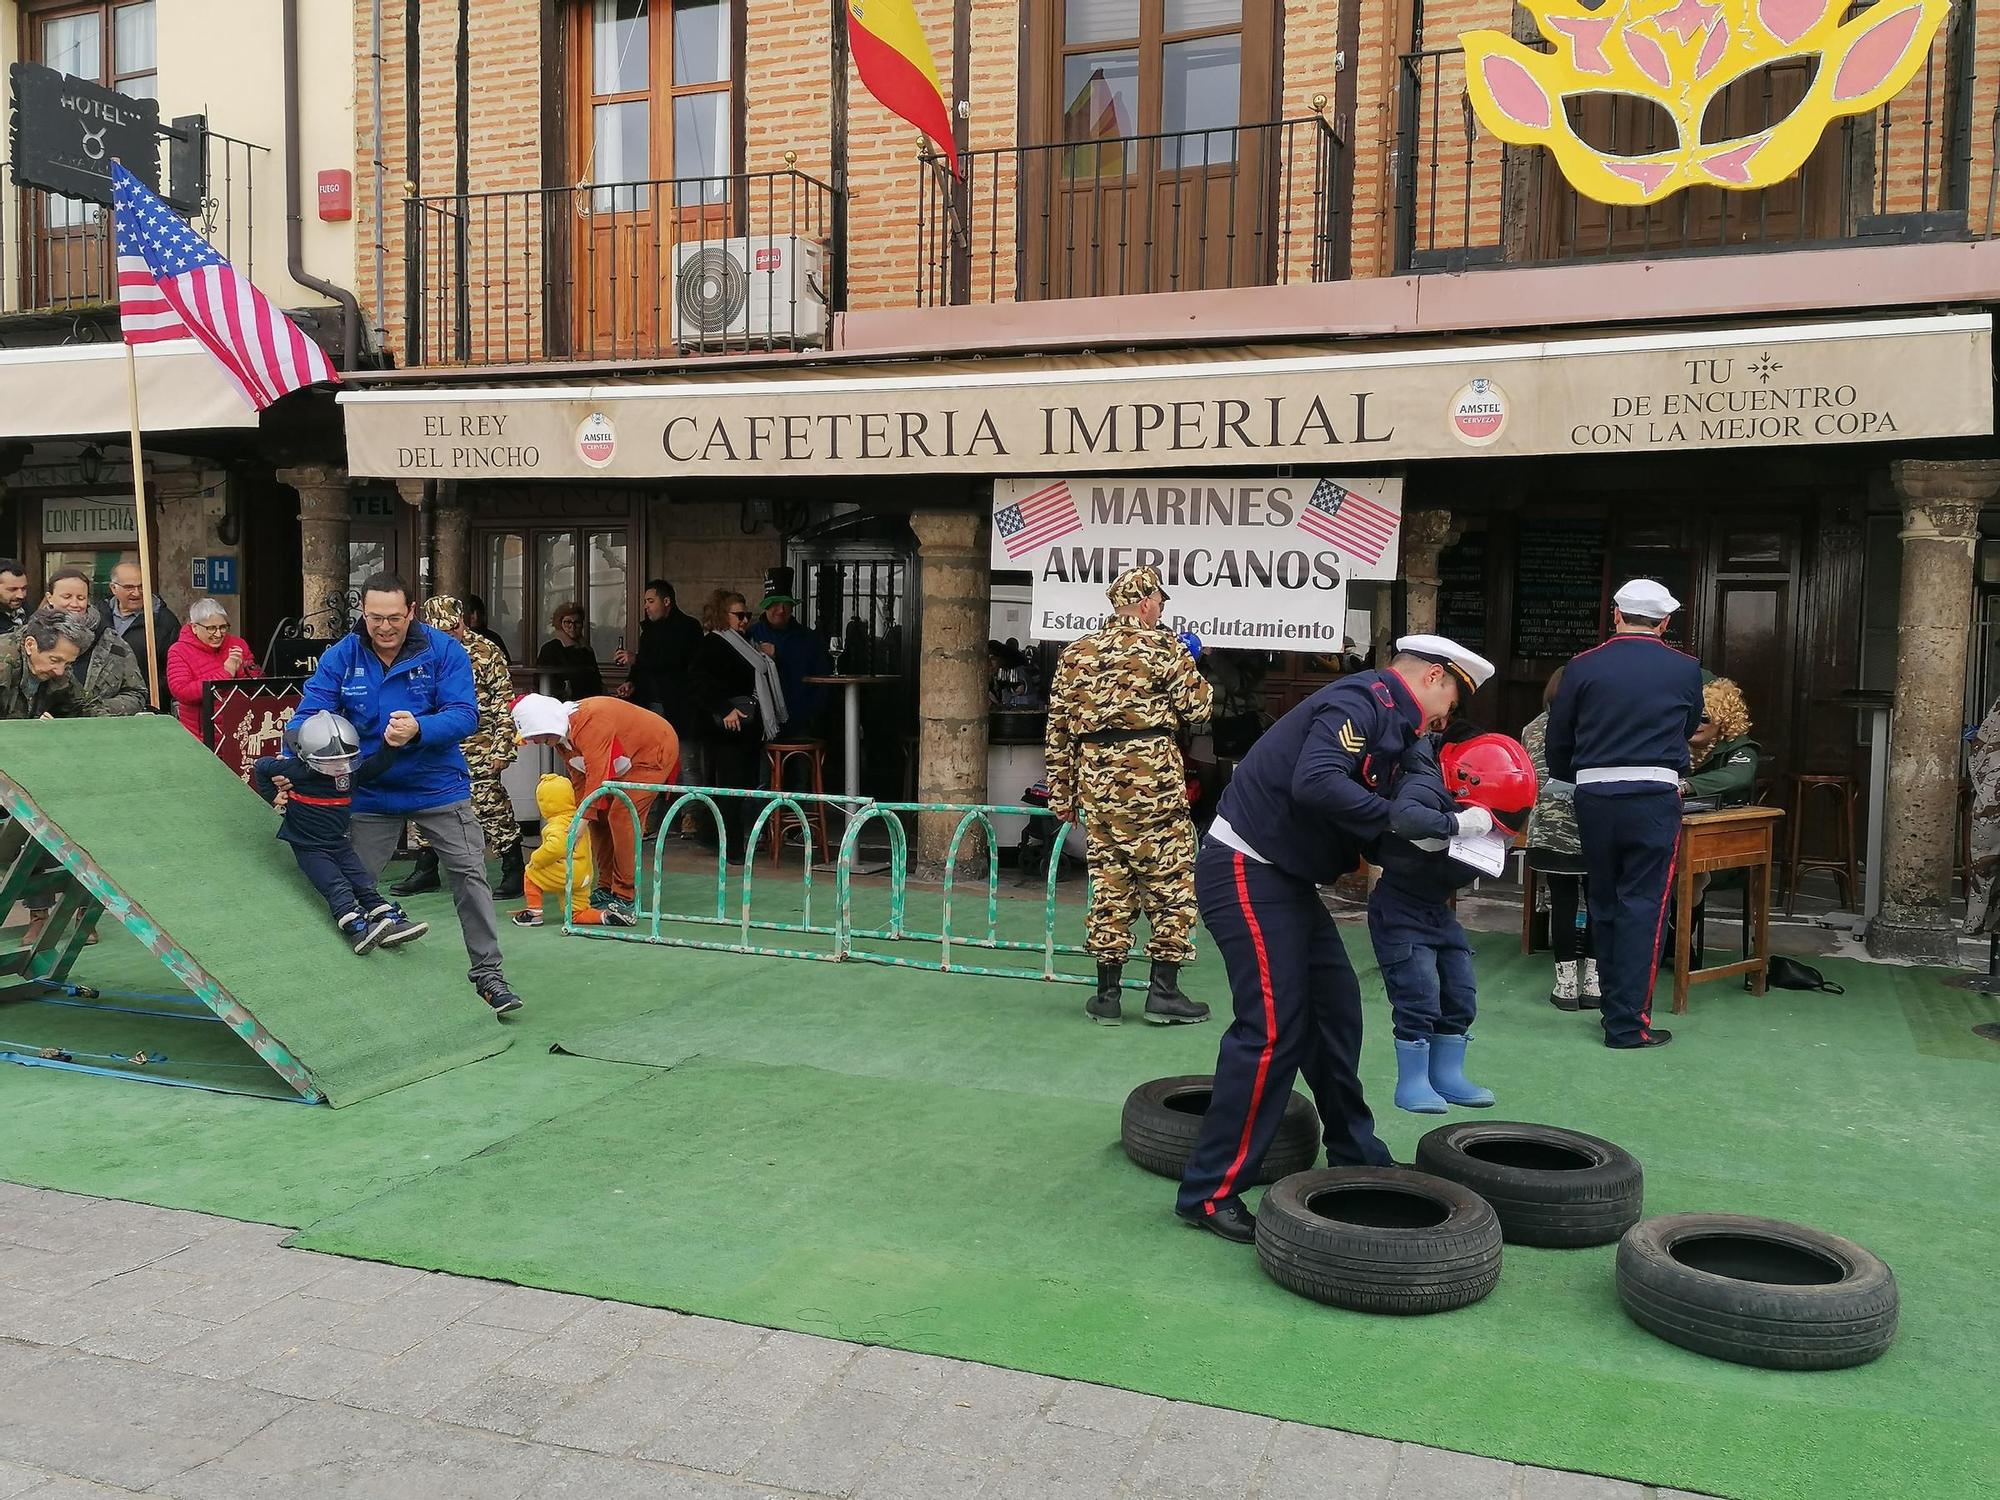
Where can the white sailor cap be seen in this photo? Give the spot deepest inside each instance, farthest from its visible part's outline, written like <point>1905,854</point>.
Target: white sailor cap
<point>1471,669</point>
<point>1646,599</point>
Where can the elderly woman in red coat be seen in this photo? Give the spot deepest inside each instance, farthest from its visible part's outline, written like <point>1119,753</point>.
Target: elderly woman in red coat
<point>205,653</point>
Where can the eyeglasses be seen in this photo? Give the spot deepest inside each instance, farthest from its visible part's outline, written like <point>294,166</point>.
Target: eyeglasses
<point>739,614</point>
<point>211,627</point>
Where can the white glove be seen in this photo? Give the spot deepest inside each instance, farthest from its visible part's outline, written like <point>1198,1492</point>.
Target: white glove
<point>1474,821</point>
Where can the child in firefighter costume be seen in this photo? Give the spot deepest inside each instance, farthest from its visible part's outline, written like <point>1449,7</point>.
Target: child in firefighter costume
<point>1425,959</point>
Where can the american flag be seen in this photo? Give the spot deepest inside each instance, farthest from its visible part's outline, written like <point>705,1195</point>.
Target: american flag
<point>1046,516</point>
<point>172,285</point>
<point>1353,523</point>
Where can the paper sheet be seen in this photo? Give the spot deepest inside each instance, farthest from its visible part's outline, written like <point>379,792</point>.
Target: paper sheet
<point>1485,852</point>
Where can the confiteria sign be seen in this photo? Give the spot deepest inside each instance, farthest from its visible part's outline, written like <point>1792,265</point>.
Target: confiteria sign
<point>1881,381</point>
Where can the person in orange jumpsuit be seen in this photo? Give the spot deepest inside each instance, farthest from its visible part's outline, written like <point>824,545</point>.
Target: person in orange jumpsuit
<point>600,740</point>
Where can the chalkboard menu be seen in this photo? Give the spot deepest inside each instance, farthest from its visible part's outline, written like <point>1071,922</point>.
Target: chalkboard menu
<point>1462,591</point>
<point>1558,588</point>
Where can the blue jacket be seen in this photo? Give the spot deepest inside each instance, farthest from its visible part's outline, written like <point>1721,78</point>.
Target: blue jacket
<point>317,813</point>
<point>1421,809</point>
<point>1633,701</point>
<point>431,679</point>
<point>1313,793</point>
<point>800,655</point>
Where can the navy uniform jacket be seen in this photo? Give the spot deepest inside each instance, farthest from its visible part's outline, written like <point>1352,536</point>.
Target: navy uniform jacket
<point>1313,793</point>
<point>1633,701</point>
<point>319,811</point>
<point>1422,809</point>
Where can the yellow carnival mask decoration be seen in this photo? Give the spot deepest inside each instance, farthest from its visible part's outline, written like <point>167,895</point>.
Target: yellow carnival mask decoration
<point>1682,54</point>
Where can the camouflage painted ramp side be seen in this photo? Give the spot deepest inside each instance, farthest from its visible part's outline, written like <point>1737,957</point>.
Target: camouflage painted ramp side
<point>156,834</point>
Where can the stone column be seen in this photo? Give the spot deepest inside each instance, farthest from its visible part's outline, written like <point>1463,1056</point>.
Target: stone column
<point>1426,533</point>
<point>951,690</point>
<point>1941,502</point>
<point>323,525</point>
<point>453,542</point>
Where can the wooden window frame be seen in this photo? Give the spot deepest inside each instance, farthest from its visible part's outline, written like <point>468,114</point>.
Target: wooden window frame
<point>579,96</point>
<point>535,610</point>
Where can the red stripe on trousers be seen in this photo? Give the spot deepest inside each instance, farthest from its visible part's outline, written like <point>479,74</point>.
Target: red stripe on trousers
<point>1653,975</point>
<point>1270,1034</point>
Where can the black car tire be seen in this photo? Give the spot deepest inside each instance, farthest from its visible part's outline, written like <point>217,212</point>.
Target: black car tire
<point>1163,1118</point>
<point>1404,1242</point>
<point>1757,1291</point>
<point>1550,1187</point>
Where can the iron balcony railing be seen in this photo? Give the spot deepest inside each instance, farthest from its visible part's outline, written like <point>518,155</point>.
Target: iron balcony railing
<point>621,271</point>
<point>1196,210</point>
<point>1907,171</point>
<point>56,252</point>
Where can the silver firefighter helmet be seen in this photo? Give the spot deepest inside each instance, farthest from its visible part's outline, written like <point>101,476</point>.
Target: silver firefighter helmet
<point>328,743</point>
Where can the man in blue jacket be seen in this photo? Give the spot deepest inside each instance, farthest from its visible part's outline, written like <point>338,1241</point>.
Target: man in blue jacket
<point>1310,796</point>
<point>1619,729</point>
<point>403,684</point>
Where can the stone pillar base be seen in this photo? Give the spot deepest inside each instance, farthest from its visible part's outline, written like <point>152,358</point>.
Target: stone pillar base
<point>1915,935</point>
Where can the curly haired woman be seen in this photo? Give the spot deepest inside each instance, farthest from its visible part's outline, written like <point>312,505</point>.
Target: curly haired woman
<point>1724,758</point>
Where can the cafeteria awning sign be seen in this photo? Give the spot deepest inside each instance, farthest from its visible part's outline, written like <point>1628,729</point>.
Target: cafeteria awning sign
<point>1261,564</point>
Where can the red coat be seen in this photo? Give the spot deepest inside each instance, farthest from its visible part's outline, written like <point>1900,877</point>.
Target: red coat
<point>191,661</point>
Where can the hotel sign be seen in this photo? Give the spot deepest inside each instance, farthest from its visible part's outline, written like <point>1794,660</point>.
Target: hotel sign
<point>1865,381</point>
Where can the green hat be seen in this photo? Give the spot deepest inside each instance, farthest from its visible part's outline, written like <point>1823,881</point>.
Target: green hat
<point>771,599</point>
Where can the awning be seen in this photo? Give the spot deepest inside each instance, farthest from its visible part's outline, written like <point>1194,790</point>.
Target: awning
<point>79,390</point>
<point>1881,380</point>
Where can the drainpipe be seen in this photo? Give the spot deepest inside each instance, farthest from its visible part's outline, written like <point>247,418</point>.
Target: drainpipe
<point>350,306</point>
<point>381,178</point>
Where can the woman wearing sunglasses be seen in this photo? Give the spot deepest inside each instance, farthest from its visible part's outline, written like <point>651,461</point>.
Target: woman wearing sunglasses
<point>737,706</point>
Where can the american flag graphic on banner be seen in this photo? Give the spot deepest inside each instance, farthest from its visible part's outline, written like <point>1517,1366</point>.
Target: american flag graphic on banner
<point>1046,516</point>
<point>1353,523</point>
<point>173,285</point>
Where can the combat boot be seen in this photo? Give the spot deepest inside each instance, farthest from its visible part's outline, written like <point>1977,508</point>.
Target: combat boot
<point>1103,1007</point>
<point>423,878</point>
<point>513,870</point>
<point>1564,995</point>
<point>1165,1004</point>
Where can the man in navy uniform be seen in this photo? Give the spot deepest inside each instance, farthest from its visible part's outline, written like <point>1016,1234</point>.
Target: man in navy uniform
<point>1304,803</point>
<point>1619,729</point>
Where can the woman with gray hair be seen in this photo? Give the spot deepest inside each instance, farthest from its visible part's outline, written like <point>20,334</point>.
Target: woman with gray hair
<point>205,653</point>
<point>35,662</point>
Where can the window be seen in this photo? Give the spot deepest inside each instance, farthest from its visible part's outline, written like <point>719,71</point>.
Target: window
<point>108,44</point>
<point>658,100</point>
<point>1127,68</point>
<point>584,565</point>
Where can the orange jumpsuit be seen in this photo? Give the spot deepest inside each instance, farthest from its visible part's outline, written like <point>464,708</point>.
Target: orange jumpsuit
<point>612,740</point>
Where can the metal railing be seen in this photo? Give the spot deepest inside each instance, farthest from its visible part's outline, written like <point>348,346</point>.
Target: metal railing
<point>628,270</point>
<point>1463,198</point>
<point>56,252</point>
<point>1195,210</point>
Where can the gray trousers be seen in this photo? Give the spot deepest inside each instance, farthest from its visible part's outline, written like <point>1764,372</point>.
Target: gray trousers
<point>454,832</point>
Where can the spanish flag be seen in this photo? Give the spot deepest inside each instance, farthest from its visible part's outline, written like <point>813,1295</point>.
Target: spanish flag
<point>894,61</point>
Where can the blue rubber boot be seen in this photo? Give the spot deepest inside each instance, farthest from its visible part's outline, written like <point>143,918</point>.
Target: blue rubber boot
<point>1448,1073</point>
<point>1413,1080</point>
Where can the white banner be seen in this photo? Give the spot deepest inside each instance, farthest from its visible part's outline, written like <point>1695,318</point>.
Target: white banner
<point>1261,564</point>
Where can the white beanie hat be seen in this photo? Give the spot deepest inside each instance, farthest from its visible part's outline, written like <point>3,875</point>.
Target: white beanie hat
<point>537,713</point>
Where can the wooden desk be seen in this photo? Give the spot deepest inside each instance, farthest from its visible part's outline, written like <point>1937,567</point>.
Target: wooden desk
<point>1739,838</point>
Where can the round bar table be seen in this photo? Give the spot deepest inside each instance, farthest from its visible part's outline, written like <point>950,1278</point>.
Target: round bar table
<point>851,686</point>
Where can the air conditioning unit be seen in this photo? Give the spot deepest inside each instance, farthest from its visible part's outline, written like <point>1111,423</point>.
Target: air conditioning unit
<point>756,292</point>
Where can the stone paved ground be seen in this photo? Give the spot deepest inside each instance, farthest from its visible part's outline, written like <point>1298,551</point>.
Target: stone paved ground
<point>145,1350</point>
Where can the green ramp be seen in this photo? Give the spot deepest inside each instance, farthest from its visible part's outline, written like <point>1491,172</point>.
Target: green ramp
<point>135,820</point>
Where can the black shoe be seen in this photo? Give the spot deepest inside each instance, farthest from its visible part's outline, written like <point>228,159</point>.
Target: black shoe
<point>513,869</point>
<point>365,933</point>
<point>402,930</point>
<point>423,878</point>
<point>496,994</point>
<point>1646,1039</point>
<point>1230,1219</point>
<point>1103,1007</point>
<point>1165,1004</point>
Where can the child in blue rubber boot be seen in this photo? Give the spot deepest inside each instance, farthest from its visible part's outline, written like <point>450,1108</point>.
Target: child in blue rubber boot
<point>1426,962</point>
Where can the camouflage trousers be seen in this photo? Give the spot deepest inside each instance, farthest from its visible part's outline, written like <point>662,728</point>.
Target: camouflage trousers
<point>495,811</point>
<point>1140,865</point>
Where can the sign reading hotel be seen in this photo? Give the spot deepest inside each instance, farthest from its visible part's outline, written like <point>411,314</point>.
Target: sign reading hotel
<point>1880,380</point>
<point>1256,563</point>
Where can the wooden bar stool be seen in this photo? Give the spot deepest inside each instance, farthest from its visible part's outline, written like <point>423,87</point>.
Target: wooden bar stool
<point>778,755</point>
<point>1841,862</point>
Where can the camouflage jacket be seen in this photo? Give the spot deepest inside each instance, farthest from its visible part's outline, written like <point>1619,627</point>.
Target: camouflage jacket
<point>492,747</point>
<point>1125,676</point>
<point>114,684</point>
<point>22,697</point>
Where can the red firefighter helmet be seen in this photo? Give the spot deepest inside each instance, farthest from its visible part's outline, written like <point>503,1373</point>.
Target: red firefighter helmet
<point>1493,772</point>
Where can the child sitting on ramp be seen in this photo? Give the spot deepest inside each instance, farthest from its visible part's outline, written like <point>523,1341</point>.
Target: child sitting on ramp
<point>1425,959</point>
<point>320,777</point>
<point>546,868</point>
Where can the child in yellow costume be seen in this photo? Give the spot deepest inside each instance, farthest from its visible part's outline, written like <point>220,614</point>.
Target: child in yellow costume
<point>557,799</point>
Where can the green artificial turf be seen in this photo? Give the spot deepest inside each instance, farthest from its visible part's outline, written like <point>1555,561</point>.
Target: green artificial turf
<point>193,850</point>
<point>930,1162</point>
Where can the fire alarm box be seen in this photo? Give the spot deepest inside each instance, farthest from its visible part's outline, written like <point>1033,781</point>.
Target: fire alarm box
<point>336,194</point>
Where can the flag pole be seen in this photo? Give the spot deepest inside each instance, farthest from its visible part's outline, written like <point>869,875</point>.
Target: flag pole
<point>139,524</point>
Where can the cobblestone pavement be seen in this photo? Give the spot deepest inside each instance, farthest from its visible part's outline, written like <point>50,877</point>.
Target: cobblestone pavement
<point>146,1350</point>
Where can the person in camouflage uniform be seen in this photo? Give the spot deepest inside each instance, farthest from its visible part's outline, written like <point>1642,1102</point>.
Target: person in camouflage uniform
<point>1119,700</point>
<point>489,750</point>
<point>35,662</point>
